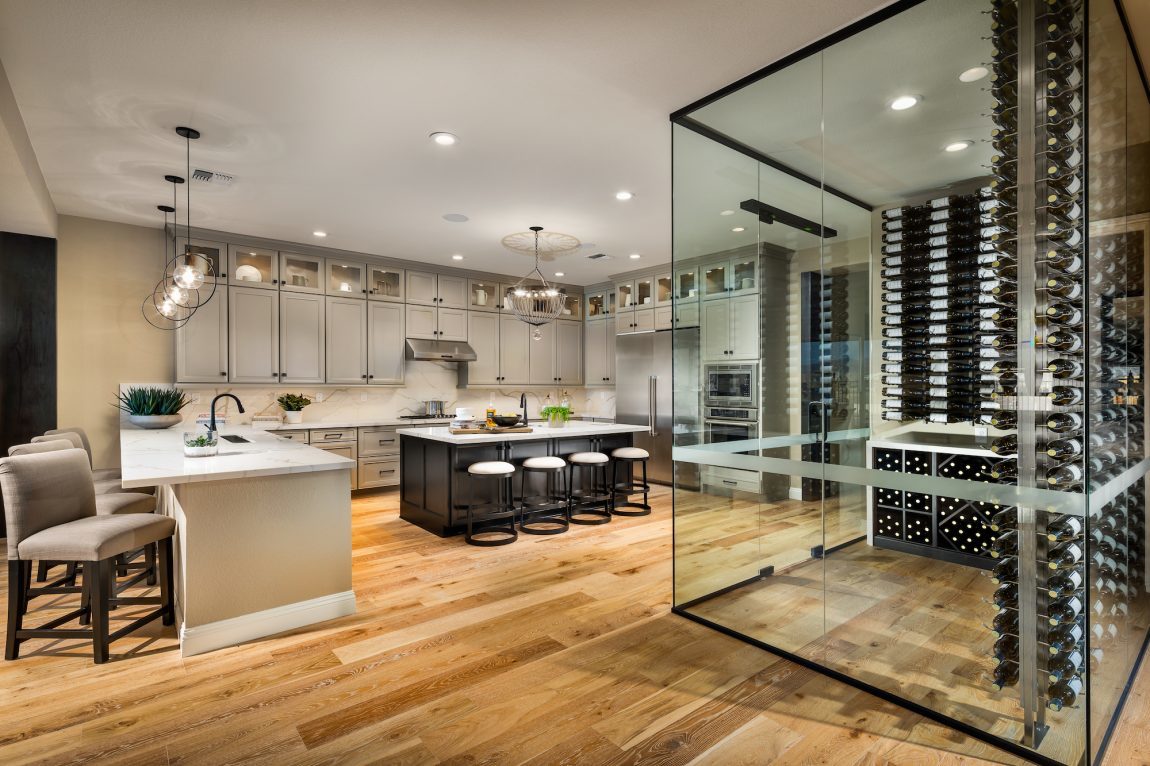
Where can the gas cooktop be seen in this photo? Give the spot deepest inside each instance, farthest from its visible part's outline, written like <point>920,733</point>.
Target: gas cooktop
<point>425,417</point>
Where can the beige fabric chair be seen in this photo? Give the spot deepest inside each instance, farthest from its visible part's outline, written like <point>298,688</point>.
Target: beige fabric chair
<point>98,473</point>
<point>50,510</point>
<point>103,483</point>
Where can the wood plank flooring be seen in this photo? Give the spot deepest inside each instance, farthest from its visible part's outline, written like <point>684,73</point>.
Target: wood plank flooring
<point>554,650</point>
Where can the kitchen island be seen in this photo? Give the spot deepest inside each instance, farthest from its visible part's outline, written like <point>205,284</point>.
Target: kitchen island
<point>263,537</point>
<point>435,487</point>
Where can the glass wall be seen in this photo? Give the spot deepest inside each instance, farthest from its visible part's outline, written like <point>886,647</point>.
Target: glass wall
<point>910,449</point>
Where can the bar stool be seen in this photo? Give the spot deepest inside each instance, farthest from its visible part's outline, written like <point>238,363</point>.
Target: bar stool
<point>104,480</point>
<point>551,508</point>
<point>630,455</point>
<point>594,505</point>
<point>502,508</point>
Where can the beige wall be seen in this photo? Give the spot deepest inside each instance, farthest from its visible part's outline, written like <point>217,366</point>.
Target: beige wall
<point>104,272</point>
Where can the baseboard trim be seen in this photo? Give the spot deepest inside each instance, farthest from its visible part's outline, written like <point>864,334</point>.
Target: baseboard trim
<point>237,630</point>
<point>795,493</point>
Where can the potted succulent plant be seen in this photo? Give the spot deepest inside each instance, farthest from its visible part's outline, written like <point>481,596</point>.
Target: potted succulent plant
<point>293,405</point>
<point>152,407</point>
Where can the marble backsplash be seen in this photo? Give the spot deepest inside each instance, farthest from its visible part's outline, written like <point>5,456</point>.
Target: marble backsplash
<point>423,380</point>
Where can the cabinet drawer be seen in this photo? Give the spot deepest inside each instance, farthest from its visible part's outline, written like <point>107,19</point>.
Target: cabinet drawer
<point>731,478</point>
<point>295,436</point>
<point>347,451</point>
<point>328,436</point>
<point>378,473</point>
<point>378,441</point>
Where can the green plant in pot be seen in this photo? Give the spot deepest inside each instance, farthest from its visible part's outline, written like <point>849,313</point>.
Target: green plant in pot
<point>293,405</point>
<point>556,415</point>
<point>153,407</point>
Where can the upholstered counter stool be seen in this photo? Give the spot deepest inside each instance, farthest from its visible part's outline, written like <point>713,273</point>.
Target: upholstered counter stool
<point>50,510</point>
<point>549,513</point>
<point>593,505</point>
<point>631,455</point>
<point>497,517</point>
<point>105,480</point>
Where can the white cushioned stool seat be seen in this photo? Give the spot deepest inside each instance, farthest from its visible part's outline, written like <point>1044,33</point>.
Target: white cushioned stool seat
<point>630,453</point>
<point>116,503</point>
<point>490,468</point>
<point>587,458</point>
<point>546,461</point>
<point>96,537</point>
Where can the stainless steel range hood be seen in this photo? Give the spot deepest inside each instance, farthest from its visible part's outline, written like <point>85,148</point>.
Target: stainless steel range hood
<point>440,350</point>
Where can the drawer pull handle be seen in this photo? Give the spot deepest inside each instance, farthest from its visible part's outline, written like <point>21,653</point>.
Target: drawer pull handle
<point>732,483</point>
<point>381,473</point>
<point>332,437</point>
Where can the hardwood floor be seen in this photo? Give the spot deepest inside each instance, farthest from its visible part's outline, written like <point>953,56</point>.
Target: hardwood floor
<point>552,650</point>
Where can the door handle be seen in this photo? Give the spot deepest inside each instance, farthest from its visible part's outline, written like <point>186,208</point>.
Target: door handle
<point>652,390</point>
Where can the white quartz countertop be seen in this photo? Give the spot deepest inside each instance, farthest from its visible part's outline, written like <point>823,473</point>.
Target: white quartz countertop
<point>149,458</point>
<point>387,422</point>
<point>571,430</point>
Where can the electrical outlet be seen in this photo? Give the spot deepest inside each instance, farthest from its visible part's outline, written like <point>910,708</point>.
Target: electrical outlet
<point>193,397</point>
<point>318,397</point>
<point>363,397</point>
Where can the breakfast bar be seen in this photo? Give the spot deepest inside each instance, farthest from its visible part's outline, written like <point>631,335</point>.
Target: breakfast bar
<point>263,536</point>
<point>434,486</point>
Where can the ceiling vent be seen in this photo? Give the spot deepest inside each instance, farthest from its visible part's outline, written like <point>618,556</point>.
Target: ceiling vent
<point>599,257</point>
<point>211,177</point>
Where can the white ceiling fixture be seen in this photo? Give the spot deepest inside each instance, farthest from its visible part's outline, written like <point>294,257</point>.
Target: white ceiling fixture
<point>456,218</point>
<point>974,74</point>
<point>727,212</point>
<point>958,146</point>
<point>444,139</point>
<point>299,159</point>
<point>534,301</point>
<point>634,256</point>
<point>624,195</point>
<point>457,257</point>
<point>738,229</point>
<point>318,233</point>
<point>559,274</point>
<point>902,103</point>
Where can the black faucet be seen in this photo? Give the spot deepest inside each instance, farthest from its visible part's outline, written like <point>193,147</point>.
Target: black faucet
<point>212,425</point>
<point>523,404</point>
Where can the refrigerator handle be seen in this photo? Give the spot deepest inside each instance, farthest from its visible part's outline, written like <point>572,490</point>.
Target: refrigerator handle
<point>652,391</point>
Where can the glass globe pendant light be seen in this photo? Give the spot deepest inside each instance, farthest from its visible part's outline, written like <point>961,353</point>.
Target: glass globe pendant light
<point>169,306</point>
<point>191,270</point>
<point>534,301</point>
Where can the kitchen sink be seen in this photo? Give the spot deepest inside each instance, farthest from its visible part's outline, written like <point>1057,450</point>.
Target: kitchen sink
<point>235,439</point>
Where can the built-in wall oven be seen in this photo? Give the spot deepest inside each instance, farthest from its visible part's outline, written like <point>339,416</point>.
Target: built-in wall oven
<point>731,385</point>
<point>730,424</point>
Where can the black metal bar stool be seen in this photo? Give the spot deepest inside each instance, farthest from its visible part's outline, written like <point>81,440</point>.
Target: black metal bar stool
<point>501,512</point>
<point>592,506</point>
<point>630,455</point>
<point>549,513</point>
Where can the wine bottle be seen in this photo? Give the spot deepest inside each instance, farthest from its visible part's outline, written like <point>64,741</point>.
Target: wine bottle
<point>1065,449</point>
<point>1064,396</point>
<point>1066,342</point>
<point>1005,623</point>
<point>1064,666</point>
<point>1063,528</point>
<point>1004,469</point>
<point>1006,544</point>
<point>1065,556</point>
<point>1004,674</point>
<point>1003,419</point>
<point>1005,445</point>
<point>1006,648</point>
<point>1063,638</point>
<point>1064,287</point>
<point>1063,694</point>
<point>1066,369</point>
<point>1064,422</point>
<point>1065,476</point>
<point>1063,583</point>
<point>1006,596</point>
<point>1005,570</point>
<point>1064,611</point>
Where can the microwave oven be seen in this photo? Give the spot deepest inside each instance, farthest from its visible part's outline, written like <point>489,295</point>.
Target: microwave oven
<point>731,385</point>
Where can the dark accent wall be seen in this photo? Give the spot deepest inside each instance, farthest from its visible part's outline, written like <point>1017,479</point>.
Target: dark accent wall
<point>27,339</point>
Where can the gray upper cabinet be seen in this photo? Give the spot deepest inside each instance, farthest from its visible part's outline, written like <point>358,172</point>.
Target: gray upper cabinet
<point>422,321</point>
<point>569,353</point>
<point>452,324</point>
<point>254,266</point>
<point>730,328</point>
<point>302,339</point>
<point>204,252</point>
<point>385,283</point>
<point>542,357</point>
<point>346,279</point>
<point>301,273</point>
<point>599,353</point>
<point>202,343</point>
<point>346,340</point>
<point>427,289</point>
<point>253,337</point>
<point>483,331</point>
<point>514,351</point>
<point>385,343</point>
<point>483,295</point>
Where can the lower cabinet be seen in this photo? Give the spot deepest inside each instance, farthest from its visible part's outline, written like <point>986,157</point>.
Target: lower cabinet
<point>343,442</point>
<point>385,343</point>
<point>202,343</point>
<point>346,340</point>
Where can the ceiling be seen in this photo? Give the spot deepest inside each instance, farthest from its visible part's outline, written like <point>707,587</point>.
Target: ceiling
<point>321,112</point>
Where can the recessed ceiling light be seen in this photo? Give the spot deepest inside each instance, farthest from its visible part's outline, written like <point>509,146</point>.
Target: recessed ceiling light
<point>634,256</point>
<point>319,233</point>
<point>559,274</point>
<point>727,212</point>
<point>974,74</point>
<point>903,102</point>
<point>457,257</point>
<point>738,228</point>
<point>443,139</point>
<point>958,146</point>
<point>623,195</point>
<point>456,217</point>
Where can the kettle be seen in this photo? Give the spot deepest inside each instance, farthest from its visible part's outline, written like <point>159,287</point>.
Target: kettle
<point>434,408</point>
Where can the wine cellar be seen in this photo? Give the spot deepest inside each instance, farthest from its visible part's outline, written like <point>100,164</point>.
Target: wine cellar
<point>966,516</point>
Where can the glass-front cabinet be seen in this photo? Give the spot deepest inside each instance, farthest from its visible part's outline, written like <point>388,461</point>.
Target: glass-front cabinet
<point>910,405</point>
<point>572,306</point>
<point>301,273</point>
<point>385,283</point>
<point>664,289</point>
<point>600,303</point>
<point>625,295</point>
<point>204,252</point>
<point>346,278</point>
<point>483,295</point>
<point>644,292</point>
<point>253,266</point>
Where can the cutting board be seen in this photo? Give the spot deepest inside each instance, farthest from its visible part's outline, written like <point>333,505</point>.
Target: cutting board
<point>496,430</point>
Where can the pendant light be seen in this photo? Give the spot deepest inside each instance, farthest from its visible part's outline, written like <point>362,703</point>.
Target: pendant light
<point>167,307</point>
<point>532,300</point>
<point>192,270</point>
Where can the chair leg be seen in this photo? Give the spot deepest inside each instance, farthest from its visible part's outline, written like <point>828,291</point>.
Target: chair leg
<point>42,571</point>
<point>17,592</point>
<point>166,594</point>
<point>150,562</point>
<point>72,568</point>
<point>101,584</point>
<point>26,579</point>
<point>86,596</point>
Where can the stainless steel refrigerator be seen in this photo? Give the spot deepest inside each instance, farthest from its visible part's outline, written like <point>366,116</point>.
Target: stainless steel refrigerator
<point>644,391</point>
